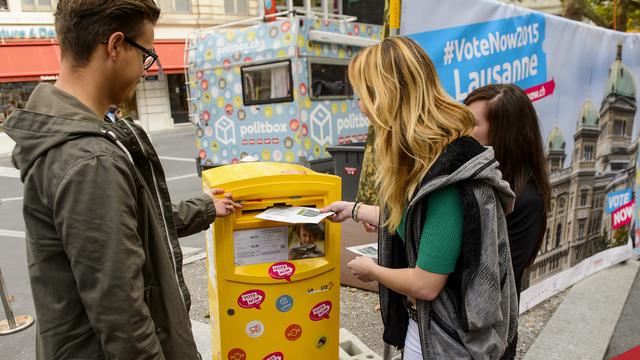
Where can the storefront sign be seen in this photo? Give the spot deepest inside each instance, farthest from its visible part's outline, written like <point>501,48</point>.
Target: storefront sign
<point>27,32</point>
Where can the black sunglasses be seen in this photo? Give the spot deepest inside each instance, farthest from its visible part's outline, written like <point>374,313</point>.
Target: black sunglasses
<point>148,56</point>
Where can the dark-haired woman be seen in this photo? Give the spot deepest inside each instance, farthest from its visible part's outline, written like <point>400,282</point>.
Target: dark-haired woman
<point>507,121</point>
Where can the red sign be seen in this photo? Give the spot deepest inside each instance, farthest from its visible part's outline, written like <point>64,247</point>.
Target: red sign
<point>350,170</point>
<point>237,354</point>
<point>320,311</point>
<point>623,215</point>
<point>540,91</point>
<point>251,299</point>
<point>274,356</point>
<point>293,332</point>
<point>282,271</point>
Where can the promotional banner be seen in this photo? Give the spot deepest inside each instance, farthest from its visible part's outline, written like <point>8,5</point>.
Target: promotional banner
<point>582,80</point>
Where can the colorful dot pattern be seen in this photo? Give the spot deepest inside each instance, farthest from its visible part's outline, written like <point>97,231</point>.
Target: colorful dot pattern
<point>227,130</point>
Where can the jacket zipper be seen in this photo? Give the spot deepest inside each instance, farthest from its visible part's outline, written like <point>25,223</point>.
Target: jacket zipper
<point>164,220</point>
<point>446,328</point>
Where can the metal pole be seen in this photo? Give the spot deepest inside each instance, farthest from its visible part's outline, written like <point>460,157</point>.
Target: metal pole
<point>5,302</point>
<point>307,7</point>
<point>290,5</point>
<point>615,13</point>
<point>325,9</point>
<point>387,352</point>
<point>261,9</point>
<point>394,17</point>
<point>13,324</point>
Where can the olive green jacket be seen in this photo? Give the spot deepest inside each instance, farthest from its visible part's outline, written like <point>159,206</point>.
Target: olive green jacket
<point>102,236</point>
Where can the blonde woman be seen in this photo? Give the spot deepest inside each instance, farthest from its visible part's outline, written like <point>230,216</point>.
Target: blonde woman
<point>446,284</point>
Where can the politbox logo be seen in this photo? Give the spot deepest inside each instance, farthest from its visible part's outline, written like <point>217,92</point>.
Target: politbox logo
<point>282,271</point>
<point>320,311</point>
<point>274,356</point>
<point>251,299</point>
<point>225,131</point>
<point>321,125</point>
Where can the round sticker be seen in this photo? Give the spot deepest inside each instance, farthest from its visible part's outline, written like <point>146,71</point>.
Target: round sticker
<point>254,329</point>
<point>284,303</point>
<point>293,332</point>
<point>237,354</point>
<point>321,342</point>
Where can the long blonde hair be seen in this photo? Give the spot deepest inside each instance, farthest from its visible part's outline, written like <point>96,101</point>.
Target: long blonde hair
<point>413,117</point>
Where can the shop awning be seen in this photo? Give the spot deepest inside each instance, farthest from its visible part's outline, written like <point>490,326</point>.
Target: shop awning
<point>29,61</point>
<point>25,61</point>
<point>171,56</point>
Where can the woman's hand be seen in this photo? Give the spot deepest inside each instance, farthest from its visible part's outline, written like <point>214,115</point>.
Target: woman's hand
<point>369,228</point>
<point>224,206</point>
<point>342,210</point>
<point>362,267</point>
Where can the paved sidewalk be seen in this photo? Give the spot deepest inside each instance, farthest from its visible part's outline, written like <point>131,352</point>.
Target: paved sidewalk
<point>583,325</point>
<point>627,332</point>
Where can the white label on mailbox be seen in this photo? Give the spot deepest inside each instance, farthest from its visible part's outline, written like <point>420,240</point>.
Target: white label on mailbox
<point>257,246</point>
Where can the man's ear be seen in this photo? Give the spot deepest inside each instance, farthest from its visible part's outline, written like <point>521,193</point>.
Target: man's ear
<point>114,45</point>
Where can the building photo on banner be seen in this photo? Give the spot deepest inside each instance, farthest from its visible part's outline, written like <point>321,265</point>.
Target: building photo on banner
<point>583,83</point>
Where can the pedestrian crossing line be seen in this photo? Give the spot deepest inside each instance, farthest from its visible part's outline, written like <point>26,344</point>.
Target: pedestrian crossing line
<point>12,233</point>
<point>171,158</point>
<point>181,177</point>
<point>9,172</point>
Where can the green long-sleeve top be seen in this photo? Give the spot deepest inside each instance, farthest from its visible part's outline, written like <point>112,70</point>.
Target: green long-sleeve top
<point>441,236</point>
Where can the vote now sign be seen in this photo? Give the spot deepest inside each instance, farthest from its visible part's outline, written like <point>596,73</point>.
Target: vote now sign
<point>617,199</point>
<point>622,215</point>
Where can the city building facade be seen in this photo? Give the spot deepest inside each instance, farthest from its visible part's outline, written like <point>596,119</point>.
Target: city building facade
<point>603,161</point>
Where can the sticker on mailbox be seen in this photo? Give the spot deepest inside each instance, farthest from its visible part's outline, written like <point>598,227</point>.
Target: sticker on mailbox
<point>237,354</point>
<point>274,356</point>
<point>284,303</point>
<point>282,271</point>
<point>320,311</point>
<point>293,332</point>
<point>251,299</point>
<point>254,329</point>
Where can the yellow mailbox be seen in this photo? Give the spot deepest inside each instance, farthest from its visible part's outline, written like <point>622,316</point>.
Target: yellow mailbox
<point>274,288</point>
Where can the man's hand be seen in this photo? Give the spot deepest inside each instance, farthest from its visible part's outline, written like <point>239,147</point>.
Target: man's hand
<point>224,206</point>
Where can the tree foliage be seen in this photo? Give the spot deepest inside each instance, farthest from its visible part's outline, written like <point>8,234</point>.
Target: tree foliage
<point>600,12</point>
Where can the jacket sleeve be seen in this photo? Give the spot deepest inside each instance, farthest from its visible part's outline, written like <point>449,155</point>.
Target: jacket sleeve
<point>95,215</point>
<point>194,215</point>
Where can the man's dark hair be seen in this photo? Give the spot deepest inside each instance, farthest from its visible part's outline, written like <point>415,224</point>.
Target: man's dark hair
<point>83,24</point>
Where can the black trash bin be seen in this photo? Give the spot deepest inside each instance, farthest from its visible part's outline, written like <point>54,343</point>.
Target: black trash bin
<point>347,163</point>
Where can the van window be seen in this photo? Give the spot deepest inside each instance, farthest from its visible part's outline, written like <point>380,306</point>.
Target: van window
<point>267,83</point>
<point>329,80</point>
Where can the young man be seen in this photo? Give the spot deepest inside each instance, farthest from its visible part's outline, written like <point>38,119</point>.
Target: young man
<point>102,236</point>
